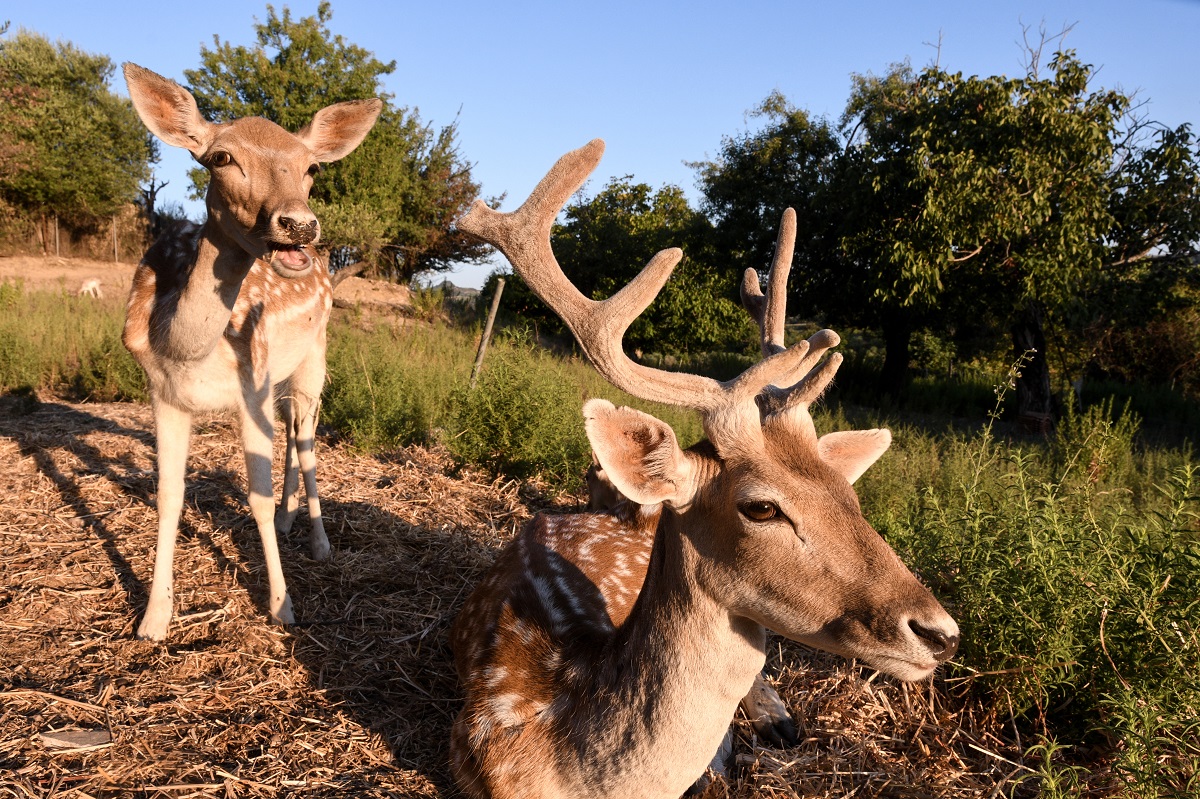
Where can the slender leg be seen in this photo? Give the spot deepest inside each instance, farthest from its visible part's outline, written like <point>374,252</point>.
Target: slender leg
<point>173,429</point>
<point>307,382</point>
<point>289,502</point>
<point>258,426</point>
<point>769,715</point>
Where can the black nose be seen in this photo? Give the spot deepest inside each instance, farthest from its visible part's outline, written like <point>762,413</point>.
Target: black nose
<point>941,645</point>
<point>298,232</point>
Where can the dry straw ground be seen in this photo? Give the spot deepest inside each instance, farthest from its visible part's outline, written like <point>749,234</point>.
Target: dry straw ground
<point>357,698</point>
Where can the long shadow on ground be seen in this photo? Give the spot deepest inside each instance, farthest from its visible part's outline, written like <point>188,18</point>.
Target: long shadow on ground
<point>356,699</point>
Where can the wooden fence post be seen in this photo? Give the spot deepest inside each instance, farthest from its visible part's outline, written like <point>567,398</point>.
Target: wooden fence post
<point>56,251</point>
<point>116,258</point>
<point>487,332</point>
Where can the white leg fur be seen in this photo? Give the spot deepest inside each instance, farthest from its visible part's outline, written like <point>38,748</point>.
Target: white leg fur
<point>289,502</point>
<point>173,432</point>
<point>257,428</point>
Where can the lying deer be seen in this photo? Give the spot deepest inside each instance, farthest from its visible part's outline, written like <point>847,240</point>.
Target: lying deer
<point>764,708</point>
<point>605,655</point>
<point>232,314</point>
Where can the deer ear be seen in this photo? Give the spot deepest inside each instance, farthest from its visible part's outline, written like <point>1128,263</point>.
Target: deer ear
<point>639,454</point>
<point>337,129</point>
<point>853,451</point>
<point>168,110</point>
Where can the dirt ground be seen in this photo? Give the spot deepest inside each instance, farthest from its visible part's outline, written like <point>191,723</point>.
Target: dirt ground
<point>357,698</point>
<point>66,274</point>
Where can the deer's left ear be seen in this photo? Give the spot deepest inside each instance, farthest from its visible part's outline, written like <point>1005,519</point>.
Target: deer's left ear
<point>337,129</point>
<point>639,453</point>
<point>852,452</point>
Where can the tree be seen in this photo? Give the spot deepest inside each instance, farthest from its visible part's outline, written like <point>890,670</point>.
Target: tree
<point>606,240</point>
<point>393,199</point>
<point>1025,205</point>
<point>788,163</point>
<point>69,145</point>
<point>1010,198</point>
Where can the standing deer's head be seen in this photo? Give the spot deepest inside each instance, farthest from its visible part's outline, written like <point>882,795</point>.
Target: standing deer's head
<point>259,174</point>
<point>773,530</point>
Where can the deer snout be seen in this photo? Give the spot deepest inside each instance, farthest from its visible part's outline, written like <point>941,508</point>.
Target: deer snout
<point>940,639</point>
<point>298,225</point>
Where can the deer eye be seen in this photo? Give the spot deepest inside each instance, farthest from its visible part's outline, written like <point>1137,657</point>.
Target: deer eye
<point>759,511</point>
<point>220,159</point>
<point>314,170</point>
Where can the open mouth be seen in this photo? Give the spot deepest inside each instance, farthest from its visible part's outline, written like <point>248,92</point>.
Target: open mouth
<point>290,257</point>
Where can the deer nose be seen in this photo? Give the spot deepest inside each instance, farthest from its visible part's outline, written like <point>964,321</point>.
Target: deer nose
<point>941,644</point>
<point>298,225</point>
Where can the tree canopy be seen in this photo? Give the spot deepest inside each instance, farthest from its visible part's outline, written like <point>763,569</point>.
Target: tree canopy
<point>963,202</point>
<point>393,199</point>
<point>68,145</point>
<point>604,242</point>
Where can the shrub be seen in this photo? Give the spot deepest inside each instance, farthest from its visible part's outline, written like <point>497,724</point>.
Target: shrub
<point>1073,580</point>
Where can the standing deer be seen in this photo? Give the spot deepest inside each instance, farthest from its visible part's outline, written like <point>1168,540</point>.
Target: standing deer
<point>232,313</point>
<point>604,655</point>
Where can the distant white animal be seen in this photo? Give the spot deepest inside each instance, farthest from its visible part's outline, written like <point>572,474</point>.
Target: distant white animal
<point>91,287</point>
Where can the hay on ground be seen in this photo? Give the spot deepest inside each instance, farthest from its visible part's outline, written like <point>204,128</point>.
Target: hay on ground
<point>358,697</point>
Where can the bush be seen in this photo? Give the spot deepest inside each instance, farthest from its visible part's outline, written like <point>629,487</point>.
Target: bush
<point>1072,569</point>
<point>523,417</point>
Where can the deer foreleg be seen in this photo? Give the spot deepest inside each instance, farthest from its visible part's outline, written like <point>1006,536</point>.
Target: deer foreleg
<point>768,714</point>
<point>258,426</point>
<point>173,429</point>
<point>289,502</point>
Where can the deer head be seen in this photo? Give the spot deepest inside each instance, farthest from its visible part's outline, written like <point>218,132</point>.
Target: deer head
<point>259,174</point>
<point>771,529</point>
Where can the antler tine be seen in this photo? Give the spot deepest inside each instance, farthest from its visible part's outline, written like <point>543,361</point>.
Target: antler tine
<point>524,238</point>
<point>770,312</point>
<point>815,380</point>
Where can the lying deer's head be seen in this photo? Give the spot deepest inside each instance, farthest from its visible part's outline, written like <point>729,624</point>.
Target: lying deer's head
<point>259,174</point>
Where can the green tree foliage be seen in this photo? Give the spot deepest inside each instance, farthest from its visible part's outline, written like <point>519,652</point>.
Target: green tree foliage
<point>971,206</point>
<point>606,240</point>
<point>68,145</point>
<point>788,162</point>
<point>994,195</point>
<point>393,199</point>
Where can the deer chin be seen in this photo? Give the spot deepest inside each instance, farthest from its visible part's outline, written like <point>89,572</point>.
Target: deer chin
<point>906,670</point>
<point>290,261</point>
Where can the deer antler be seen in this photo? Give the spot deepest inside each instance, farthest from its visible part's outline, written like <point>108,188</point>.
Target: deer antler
<point>524,238</point>
<point>770,311</point>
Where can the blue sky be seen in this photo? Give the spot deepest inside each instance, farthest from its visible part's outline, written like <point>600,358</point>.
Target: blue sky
<point>661,82</point>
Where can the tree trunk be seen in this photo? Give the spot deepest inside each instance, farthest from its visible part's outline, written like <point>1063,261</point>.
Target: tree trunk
<point>1034,401</point>
<point>897,338</point>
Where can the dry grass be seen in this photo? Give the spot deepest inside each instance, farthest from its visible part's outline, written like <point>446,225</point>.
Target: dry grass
<point>357,698</point>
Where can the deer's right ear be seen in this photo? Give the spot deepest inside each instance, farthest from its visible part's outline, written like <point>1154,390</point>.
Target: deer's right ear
<point>639,454</point>
<point>168,110</point>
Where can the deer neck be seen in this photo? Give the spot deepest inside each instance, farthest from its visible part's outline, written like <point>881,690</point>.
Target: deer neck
<point>193,310</point>
<point>673,676</point>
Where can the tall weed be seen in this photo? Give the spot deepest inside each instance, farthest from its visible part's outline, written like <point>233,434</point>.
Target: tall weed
<point>1076,594</point>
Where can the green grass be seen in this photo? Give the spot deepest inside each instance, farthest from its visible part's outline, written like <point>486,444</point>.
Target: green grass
<point>64,344</point>
<point>391,387</point>
<point>1071,566</point>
